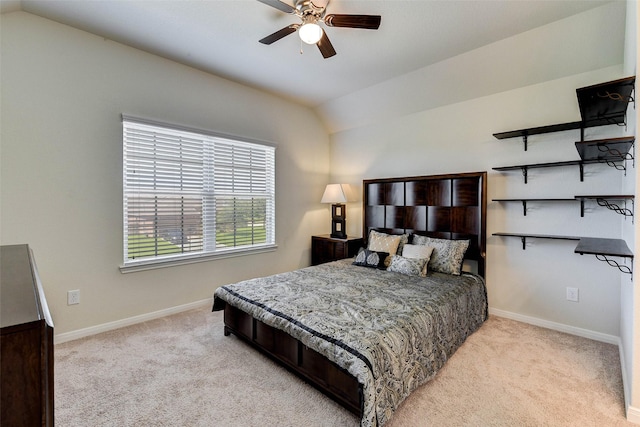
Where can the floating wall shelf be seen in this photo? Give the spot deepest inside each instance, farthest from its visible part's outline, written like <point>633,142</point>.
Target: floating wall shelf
<point>606,201</point>
<point>525,168</point>
<point>606,101</point>
<point>604,248</point>
<point>600,247</point>
<point>600,105</point>
<point>613,151</point>
<point>525,201</point>
<point>524,237</point>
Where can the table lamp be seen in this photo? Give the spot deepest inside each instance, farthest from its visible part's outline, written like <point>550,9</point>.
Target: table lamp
<point>337,196</point>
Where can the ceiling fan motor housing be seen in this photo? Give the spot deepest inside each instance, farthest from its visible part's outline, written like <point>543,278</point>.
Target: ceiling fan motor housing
<point>306,10</point>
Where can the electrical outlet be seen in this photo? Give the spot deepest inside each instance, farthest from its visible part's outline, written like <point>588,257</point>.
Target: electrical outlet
<point>572,294</point>
<point>73,297</point>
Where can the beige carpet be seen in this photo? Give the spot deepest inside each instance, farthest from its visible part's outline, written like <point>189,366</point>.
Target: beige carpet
<point>182,371</point>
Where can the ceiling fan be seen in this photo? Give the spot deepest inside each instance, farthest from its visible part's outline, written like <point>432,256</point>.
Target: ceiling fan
<point>309,30</point>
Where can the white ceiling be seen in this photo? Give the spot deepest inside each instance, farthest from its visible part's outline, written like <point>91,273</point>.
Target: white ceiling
<point>221,36</point>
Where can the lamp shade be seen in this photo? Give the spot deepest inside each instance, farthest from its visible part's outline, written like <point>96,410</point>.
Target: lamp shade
<point>334,193</point>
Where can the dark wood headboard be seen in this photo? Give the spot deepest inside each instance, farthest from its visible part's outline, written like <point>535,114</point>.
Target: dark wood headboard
<point>452,206</point>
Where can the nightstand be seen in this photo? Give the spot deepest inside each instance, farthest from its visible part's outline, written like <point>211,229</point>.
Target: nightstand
<point>325,248</point>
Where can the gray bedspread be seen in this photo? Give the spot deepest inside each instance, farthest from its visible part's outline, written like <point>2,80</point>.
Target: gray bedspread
<point>390,331</point>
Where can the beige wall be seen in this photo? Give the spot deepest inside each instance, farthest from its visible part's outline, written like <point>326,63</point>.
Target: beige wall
<point>63,91</point>
<point>531,284</point>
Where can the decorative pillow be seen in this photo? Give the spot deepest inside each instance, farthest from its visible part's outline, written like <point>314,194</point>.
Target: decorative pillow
<point>408,266</point>
<point>447,256</point>
<point>404,239</point>
<point>420,252</point>
<point>371,259</point>
<point>381,242</point>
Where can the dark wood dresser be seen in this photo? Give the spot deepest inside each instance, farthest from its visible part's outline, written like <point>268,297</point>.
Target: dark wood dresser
<point>325,248</point>
<point>26,344</point>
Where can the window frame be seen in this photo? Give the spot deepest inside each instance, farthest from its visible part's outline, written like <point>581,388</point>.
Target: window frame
<point>210,252</point>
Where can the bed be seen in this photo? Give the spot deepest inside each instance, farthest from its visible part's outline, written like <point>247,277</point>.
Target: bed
<point>369,336</point>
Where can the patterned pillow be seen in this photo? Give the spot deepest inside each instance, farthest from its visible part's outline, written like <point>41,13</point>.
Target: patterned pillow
<point>447,256</point>
<point>420,252</point>
<point>371,259</point>
<point>408,266</point>
<point>381,242</point>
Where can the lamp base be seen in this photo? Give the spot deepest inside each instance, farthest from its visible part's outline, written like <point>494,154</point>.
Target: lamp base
<point>339,235</point>
<point>338,221</point>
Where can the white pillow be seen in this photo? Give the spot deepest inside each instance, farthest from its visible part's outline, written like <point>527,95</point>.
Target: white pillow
<point>418,252</point>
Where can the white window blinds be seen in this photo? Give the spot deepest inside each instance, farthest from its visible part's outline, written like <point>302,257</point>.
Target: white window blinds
<point>190,194</point>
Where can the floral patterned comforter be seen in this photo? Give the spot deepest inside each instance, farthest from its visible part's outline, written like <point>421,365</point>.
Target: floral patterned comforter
<point>391,331</point>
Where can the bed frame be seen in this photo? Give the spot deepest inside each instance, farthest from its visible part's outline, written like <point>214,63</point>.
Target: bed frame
<point>451,206</point>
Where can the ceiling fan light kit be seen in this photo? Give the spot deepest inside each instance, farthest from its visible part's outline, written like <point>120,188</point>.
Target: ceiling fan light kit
<point>310,33</point>
<point>311,16</point>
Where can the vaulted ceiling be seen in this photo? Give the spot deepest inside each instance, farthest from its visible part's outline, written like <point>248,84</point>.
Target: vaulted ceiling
<point>221,37</point>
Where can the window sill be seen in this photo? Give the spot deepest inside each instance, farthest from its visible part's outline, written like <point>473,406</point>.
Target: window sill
<point>134,266</point>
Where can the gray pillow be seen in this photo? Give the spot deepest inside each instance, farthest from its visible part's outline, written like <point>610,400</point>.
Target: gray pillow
<point>408,266</point>
<point>447,256</point>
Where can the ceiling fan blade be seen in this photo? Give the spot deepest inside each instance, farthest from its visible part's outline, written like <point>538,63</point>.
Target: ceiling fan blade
<point>279,5</point>
<point>369,22</point>
<point>272,38</point>
<point>325,46</point>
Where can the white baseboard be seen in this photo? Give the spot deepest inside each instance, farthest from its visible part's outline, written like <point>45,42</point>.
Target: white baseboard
<point>85,332</point>
<point>586,333</point>
<point>633,415</point>
<point>625,384</point>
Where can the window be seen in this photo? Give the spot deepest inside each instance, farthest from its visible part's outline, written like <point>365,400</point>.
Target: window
<point>192,195</point>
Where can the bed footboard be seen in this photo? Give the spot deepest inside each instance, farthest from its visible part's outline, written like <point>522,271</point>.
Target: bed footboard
<point>319,371</point>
